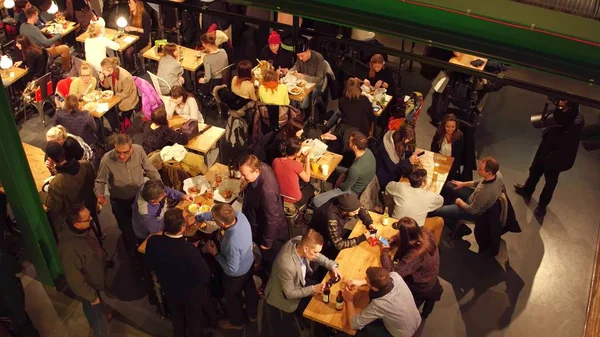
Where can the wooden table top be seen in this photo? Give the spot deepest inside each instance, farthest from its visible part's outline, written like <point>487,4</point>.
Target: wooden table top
<point>71,26</point>
<point>190,60</point>
<point>124,41</point>
<point>18,74</point>
<point>35,158</point>
<point>435,182</point>
<point>308,88</point>
<point>353,263</point>
<point>465,60</point>
<point>111,103</point>
<point>329,158</point>
<point>202,143</point>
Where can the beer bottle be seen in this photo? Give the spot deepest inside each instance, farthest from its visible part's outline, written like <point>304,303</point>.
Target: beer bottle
<point>339,301</point>
<point>326,293</point>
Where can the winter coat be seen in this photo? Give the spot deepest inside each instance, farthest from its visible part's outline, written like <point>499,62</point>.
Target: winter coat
<point>150,98</point>
<point>390,167</point>
<point>559,145</point>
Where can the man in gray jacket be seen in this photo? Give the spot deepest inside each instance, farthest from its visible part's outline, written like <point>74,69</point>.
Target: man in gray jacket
<point>289,288</point>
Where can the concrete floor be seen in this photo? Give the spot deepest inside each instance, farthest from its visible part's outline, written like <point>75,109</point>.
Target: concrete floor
<point>537,286</point>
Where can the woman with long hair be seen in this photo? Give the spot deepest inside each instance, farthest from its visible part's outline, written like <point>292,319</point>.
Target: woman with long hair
<point>78,121</point>
<point>96,44</point>
<point>271,91</point>
<point>272,145</point>
<point>355,108</point>
<point>380,76</point>
<point>140,24</point>
<point>449,141</point>
<point>157,134</point>
<point>288,172</point>
<point>169,68</point>
<point>214,60</point>
<point>184,104</point>
<point>34,58</point>
<point>243,84</point>
<point>394,158</point>
<point>417,259</point>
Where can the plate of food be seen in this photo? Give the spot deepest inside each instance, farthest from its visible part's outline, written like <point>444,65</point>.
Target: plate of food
<point>91,106</point>
<point>228,191</point>
<point>194,208</point>
<point>300,82</point>
<point>195,186</point>
<point>295,90</point>
<point>107,94</point>
<point>208,227</point>
<point>91,97</point>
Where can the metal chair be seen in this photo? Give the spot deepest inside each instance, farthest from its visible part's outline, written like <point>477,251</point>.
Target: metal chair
<point>156,81</point>
<point>42,84</point>
<point>208,98</point>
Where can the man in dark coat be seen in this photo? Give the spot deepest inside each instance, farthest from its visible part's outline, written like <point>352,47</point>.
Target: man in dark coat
<point>556,153</point>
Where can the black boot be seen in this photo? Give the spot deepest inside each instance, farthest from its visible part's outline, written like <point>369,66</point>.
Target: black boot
<point>520,190</point>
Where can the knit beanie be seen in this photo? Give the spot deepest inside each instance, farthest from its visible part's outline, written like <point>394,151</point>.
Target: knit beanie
<point>274,38</point>
<point>348,202</point>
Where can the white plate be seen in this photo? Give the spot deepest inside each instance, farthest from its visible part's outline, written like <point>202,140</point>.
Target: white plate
<point>230,184</point>
<point>211,226</point>
<point>294,93</point>
<point>199,181</point>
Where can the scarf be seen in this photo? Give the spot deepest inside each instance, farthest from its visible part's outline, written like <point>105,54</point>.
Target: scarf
<point>380,293</point>
<point>114,76</point>
<point>272,85</point>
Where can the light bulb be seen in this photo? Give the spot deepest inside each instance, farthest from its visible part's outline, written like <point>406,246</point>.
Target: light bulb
<point>122,22</point>
<point>53,8</point>
<point>5,62</point>
<point>9,4</point>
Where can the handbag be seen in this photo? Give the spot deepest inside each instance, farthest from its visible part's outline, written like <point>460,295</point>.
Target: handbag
<point>190,128</point>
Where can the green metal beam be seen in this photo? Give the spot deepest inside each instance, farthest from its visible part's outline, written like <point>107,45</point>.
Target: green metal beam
<point>19,186</point>
<point>558,43</point>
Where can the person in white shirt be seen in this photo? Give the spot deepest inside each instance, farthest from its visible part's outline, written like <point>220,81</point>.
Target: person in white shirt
<point>413,200</point>
<point>95,46</point>
<point>183,104</point>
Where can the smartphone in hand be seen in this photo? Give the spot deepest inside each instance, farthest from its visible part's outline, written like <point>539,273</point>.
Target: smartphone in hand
<point>384,241</point>
<point>420,153</point>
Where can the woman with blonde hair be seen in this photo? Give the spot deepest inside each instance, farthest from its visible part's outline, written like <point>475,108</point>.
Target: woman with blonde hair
<point>271,91</point>
<point>169,68</point>
<point>355,108</point>
<point>79,121</point>
<point>140,24</point>
<point>85,83</point>
<point>120,81</point>
<point>75,147</point>
<point>95,45</point>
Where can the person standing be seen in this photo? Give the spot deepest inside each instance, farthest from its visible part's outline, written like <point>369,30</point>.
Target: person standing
<point>556,154</point>
<point>263,206</point>
<point>123,169</point>
<point>83,262</point>
<point>183,275</point>
<point>236,258</point>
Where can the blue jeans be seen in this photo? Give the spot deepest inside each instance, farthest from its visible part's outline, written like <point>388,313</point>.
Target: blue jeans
<point>95,317</point>
<point>452,213</point>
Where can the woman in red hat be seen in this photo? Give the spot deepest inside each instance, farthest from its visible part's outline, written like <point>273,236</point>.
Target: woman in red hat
<point>274,53</point>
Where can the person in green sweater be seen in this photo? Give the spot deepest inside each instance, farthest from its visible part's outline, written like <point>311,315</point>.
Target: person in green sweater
<point>358,176</point>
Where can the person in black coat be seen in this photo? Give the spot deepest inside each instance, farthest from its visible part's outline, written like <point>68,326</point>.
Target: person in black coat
<point>355,108</point>
<point>279,57</point>
<point>381,76</point>
<point>156,133</point>
<point>393,159</point>
<point>449,141</point>
<point>556,153</point>
<point>183,275</point>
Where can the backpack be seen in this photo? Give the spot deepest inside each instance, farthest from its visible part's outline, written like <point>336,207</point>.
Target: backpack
<point>236,132</point>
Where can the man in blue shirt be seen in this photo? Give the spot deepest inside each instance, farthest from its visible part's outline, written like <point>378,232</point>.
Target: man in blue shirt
<point>150,206</point>
<point>236,259</point>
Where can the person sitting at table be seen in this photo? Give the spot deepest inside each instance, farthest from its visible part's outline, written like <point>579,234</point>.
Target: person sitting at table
<point>120,81</point>
<point>413,199</point>
<point>279,57</point>
<point>183,274</point>
<point>156,133</point>
<point>355,108</point>
<point>78,121</point>
<point>169,68</point>
<point>36,36</point>
<point>214,60</point>
<point>75,147</point>
<point>263,207</point>
<point>380,76</point>
<point>243,84</point>
<point>85,83</point>
<point>150,206</point>
<point>382,316</point>
<point>417,259</point>
<point>288,171</point>
<point>236,259</point>
<point>21,6</point>
<point>140,24</point>
<point>358,176</point>
<point>292,283</point>
<point>33,58</point>
<point>480,195</point>
<point>394,160</point>
<point>96,44</point>
<point>272,145</point>
<point>271,91</point>
<point>184,104</point>
<point>449,141</point>
<point>311,67</point>
<point>81,12</point>
<point>329,220</point>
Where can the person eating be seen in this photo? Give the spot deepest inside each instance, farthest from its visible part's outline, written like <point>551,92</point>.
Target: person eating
<point>309,66</point>
<point>275,54</point>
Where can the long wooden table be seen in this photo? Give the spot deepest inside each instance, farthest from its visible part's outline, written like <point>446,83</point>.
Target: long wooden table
<point>435,178</point>
<point>124,41</point>
<point>307,89</point>
<point>332,160</point>
<point>191,61</point>
<point>202,143</point>
<point>17,74</point>
<point>111,104</point>
<point>71,26</point>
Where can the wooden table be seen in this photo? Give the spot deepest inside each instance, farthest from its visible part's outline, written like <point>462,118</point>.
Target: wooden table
<point>71,26</point>
<point>329,158</point>
<point>308,88</point>
<point>190,60</point>
<point>17,72</point>
<point>124,41</point>
<point>435,180</point>
<point>112,102</point>
<point>204,143</point>
<point>465,60</point>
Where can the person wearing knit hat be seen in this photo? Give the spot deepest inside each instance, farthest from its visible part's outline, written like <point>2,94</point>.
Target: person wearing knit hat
<point>275,54</point>
<point>330,219</point>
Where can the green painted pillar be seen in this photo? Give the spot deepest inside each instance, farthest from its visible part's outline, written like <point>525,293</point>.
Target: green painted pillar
<point>24,198</point>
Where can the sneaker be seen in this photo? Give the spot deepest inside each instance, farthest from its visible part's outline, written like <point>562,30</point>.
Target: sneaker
<point>520,190</point>
<point>225,325</point>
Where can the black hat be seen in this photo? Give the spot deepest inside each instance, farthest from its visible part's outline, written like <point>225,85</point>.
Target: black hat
<point>348,202</point>
<point>55,151</point>
<point>300,46</point>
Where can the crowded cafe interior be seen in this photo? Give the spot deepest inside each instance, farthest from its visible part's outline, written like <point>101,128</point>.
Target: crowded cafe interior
<point>196,168</point>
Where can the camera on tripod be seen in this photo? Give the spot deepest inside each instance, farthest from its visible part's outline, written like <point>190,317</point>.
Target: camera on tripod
<point>563,112</point>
